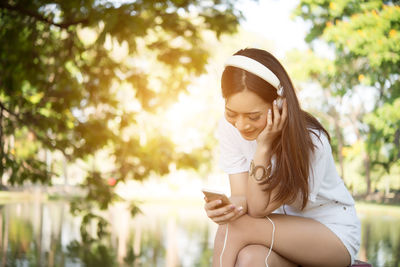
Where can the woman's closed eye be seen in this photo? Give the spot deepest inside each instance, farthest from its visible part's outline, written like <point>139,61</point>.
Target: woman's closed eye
<point>255,118</point>
<point>230,115</point>
<point>233,115</point>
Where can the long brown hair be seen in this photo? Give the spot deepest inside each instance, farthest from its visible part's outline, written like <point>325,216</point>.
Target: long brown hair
<point>293,148</point>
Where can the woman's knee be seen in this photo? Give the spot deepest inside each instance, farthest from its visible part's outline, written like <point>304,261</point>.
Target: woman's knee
<point>245,258</point>
<point>251,256</point>
<point>255,256</point>
<point>232,232</point>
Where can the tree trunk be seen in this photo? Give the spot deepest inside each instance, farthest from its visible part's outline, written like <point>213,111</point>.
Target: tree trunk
<point>2,167</point>
<point>340,143</point>
<point>367,164</point>
<point>5,237</point>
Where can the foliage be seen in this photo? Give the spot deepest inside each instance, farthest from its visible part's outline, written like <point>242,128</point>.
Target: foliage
<point>364,35</point>
<point>365,39</point>
<point>385,134</point>
<point>92,253</point>
<point>60,83</point>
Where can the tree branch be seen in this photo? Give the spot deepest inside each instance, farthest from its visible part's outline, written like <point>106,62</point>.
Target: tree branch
<point>39,17</point>
<point>44,139</point>
<point>8,111</point>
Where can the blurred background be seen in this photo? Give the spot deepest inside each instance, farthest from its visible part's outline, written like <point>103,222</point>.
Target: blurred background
<point>108,111</point>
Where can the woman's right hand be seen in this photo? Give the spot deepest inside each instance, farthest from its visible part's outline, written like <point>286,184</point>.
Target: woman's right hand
<point>222,215</point>
<point>274,124</point>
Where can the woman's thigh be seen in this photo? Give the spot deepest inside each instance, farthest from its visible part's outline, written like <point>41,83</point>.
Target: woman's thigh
<point>300,240</point>
<point>254,256</point>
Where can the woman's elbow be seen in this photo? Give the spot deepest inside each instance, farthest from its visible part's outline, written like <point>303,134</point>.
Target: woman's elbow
<point>258,212</point>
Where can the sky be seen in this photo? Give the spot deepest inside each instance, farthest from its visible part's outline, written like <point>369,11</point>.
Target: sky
<point>271,19</point>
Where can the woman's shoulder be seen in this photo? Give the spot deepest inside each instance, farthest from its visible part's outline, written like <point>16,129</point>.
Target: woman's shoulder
<point>319,139</point>
<point>227,134</point>
<point>224,128</point>
<point>227,130</point>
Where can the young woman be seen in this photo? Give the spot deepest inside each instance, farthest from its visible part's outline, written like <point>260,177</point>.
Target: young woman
<point>289,205</point>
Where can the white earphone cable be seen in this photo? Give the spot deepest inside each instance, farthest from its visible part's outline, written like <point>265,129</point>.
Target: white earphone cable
<point>272,241</point>
<point>223,248</point>
<point>270,248</point>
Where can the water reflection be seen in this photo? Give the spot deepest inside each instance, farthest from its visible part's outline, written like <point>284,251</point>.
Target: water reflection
<point>46,234</point>
<point>380,237</point>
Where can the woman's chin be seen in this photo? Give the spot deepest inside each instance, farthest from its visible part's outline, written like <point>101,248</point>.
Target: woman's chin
<point>251,137</point>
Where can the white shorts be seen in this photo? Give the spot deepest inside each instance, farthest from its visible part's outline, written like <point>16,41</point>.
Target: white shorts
<point>348,229</point>
<point>340,218</point>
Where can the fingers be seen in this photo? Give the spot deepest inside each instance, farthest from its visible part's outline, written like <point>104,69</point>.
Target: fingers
<point>277,115</point>
<point>212,204</point>
<point>284,113</point>
<point>232,215</point>
<point>220,211</point>
<point>224,214</point>
<point>269,120</point>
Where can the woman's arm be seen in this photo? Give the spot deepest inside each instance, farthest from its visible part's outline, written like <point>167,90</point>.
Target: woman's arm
<point>247,193</point>
<point>259,202</point>
<point>238,184</point>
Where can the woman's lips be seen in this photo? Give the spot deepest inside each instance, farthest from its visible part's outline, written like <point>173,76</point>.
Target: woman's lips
<point>247,133</point>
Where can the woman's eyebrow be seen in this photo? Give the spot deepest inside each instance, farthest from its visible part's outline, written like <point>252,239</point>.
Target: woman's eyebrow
<point>247,113</point>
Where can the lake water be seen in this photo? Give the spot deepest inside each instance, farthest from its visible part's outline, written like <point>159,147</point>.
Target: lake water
<point>46,234</point>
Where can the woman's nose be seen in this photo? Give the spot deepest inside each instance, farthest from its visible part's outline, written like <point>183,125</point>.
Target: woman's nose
<point>240,124</point>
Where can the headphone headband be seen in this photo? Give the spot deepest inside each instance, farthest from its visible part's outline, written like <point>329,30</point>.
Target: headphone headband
<point>256,68</point>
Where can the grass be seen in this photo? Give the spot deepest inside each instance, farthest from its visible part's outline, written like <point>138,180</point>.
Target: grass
<point>6,196</point>
<point>369,208</point>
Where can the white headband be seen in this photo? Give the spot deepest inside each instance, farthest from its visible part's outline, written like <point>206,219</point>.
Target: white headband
<point>255,67</point>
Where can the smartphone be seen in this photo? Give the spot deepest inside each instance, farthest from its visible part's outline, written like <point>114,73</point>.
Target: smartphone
<point>214,195</point>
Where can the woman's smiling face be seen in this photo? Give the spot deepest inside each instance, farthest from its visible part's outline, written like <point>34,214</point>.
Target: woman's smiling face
<point>247,112</point>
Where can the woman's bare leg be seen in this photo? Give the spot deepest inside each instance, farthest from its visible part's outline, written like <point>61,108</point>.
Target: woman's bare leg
<point>300,240</point>
<point>254,256</point>
<point>218,245</point>
<point>250,255</point>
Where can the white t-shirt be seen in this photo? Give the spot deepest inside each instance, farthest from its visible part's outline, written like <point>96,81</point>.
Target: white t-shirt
<point>325,184</point>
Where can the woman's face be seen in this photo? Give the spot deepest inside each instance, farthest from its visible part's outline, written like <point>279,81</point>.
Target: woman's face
<point>247,112</point>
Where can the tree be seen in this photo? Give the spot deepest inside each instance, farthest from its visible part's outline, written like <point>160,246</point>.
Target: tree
<point>59,88</point>
<point>385,133</point>
<point>364,36</point>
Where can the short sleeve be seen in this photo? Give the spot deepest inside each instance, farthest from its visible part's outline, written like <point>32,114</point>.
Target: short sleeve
<point>319,163</point>
<point>231,159</point>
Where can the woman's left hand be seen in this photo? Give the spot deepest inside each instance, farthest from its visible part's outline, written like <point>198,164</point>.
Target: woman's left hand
<point>274,126</point>
<point>228,213</point>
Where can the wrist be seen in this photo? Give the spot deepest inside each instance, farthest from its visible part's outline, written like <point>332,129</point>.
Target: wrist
<point>259,172</point>
<point>261,152</point>
<point>239,201</point>
<point>263,143</point>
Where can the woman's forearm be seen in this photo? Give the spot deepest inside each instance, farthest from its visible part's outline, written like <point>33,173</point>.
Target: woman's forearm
<point>258,200</point>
